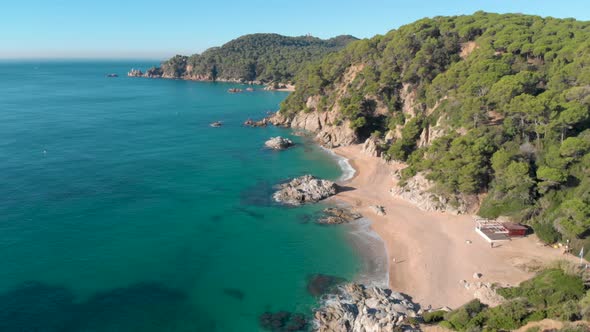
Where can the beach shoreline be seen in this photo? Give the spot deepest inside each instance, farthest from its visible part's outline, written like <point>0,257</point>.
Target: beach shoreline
<point>430,254</point>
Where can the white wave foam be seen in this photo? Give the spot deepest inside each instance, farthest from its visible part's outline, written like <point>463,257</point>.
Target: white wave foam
<point>373,253</point>
<point>348,171</point>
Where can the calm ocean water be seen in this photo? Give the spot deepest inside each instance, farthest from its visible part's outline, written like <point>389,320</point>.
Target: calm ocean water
<point>122,210</point>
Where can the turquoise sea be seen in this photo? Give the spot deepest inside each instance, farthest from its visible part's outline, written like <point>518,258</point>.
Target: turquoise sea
<point>121,209</point>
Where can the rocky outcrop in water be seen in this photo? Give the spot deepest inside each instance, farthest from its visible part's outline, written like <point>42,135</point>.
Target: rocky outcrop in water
<point>357,308</point>
<point>305,189</point>
<point>153,72</point>
<point>336,216</point>
<point>279,143</point>
<point>135,73</point>
<point>251,123</point>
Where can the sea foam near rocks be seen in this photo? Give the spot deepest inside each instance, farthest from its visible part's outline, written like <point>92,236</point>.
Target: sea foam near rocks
<point>348,171</point>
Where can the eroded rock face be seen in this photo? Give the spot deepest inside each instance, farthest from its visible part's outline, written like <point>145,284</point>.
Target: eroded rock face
<point>154,72</point>
<point>305,189</point>
<point>364,309</point>
<point>372,147</point>
<point>278,143</point>
<point>336,216</point>
<point>329,131</point>
<point>417,191</point>
<point>484,291</point>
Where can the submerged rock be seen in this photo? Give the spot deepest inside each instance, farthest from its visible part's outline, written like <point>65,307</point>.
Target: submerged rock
<point>235,293</point>
<point>282,321</point>
<point>320,284</point>
<point>367,309</point>
<point>336,216</point>
<point>305,189</point>
<point>279,143</point>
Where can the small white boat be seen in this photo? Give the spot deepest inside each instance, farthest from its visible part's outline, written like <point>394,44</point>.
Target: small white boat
<point>216,124</point>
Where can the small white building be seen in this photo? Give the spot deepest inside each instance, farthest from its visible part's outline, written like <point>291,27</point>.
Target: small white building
<point>491,230</point>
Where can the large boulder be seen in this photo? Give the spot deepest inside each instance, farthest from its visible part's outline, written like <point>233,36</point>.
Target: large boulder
<point>305,189</point>
<point>279,143</point>
<point>336,216</point>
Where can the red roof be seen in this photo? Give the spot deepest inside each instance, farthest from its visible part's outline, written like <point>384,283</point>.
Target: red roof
<point>514,227</point>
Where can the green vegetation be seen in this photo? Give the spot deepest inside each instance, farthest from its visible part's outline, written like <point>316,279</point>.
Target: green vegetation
<point>551,294</point>
<point>512,115</point>
<point>256,57</point>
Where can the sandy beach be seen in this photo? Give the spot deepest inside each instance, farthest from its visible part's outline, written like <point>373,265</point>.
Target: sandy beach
<point>429,253</point>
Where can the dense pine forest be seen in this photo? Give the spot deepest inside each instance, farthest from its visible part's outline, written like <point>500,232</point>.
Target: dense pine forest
<point>257,57</point>
<point>507,95</point>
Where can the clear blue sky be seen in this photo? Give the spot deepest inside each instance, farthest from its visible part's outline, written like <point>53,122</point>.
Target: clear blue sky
<point>159,29</point>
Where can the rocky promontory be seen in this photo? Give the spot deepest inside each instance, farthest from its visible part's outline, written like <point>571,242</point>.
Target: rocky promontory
<point>135,73</point>
<point>252,123</point>
<point>279,143</point>
<point>305,189</point>
<point>357,308</point>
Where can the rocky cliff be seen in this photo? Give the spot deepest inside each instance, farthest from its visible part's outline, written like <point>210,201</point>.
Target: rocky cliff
<point>324,125</point>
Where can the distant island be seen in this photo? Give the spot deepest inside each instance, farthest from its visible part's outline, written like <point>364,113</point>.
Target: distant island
<point>256,58</point>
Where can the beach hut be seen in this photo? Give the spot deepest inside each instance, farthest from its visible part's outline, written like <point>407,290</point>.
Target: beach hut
<point>515,230</point>
<point>491,230</point>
